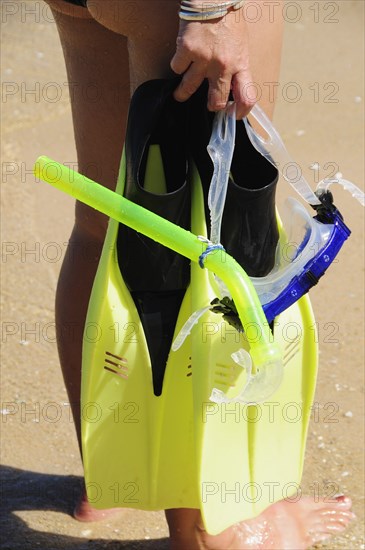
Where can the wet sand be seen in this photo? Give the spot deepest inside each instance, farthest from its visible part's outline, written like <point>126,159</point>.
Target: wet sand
<point>320,115</point>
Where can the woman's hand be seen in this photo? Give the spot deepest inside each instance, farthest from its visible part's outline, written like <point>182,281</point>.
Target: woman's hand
<point>217,50</point>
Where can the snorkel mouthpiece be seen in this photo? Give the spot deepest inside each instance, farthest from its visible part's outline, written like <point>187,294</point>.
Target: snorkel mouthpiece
<point>263,365</point>
<point>259,386</point>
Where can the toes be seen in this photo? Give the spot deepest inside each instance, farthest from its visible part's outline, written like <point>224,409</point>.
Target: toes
<point>331,520</point>
<point>328,518</point>
<point>85,513</point>
<point>346,515</point>
<point>335,527</point>
<point>324,532</point>
<point>338,505</point>
<point>343,502</point>
<point>330,523</point>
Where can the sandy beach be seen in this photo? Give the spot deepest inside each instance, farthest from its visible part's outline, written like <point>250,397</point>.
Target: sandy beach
<point>320,115</point>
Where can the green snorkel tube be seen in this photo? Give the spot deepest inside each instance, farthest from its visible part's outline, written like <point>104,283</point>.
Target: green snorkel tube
<point>264,363</point>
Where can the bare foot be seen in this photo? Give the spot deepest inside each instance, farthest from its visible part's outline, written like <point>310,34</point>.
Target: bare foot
<point>86,513</point>
<point>286,526</point>
<point>283,526</point>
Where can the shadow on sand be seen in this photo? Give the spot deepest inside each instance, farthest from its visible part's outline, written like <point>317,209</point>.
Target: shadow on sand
<point>23,490</point>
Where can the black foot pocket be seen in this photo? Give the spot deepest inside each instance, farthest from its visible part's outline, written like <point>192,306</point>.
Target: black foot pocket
<point>156,178</point>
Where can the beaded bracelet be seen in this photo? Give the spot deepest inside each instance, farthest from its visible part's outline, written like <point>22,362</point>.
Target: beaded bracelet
<point>189,11</point>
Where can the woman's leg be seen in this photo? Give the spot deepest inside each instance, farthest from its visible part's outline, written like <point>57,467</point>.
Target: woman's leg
<point>98,72</point>
<point>97,69</point>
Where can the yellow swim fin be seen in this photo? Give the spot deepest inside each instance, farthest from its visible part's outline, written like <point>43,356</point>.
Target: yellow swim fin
<point>138,448</point>
<point>152,439</point>
<point>247,456</point>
